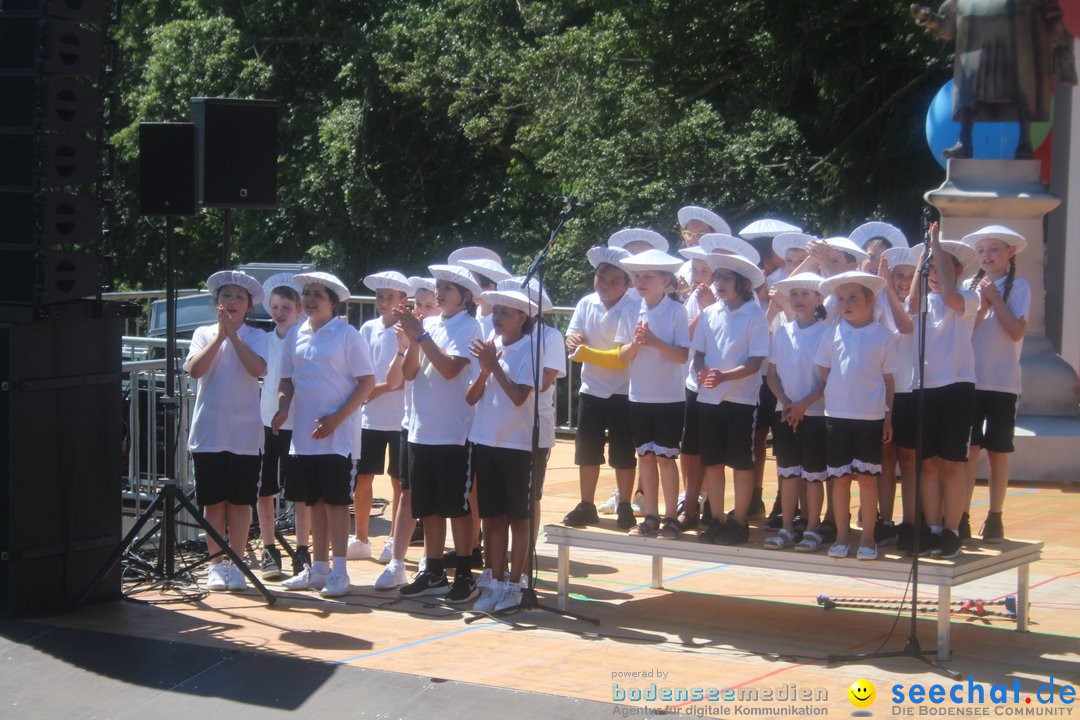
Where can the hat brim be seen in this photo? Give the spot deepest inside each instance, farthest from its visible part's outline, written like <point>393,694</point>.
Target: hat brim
<point>239,279</point>
<point>969,259</point>
<point>326,280</point>
<point>456,274</point>
<point>739,265</point>
<point>874,282</point>
<point>377,281</point>
<point>509,299</point>
<point>1009,238</point>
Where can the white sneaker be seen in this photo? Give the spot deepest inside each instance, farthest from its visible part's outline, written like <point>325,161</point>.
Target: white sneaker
<point>866,553</point>
<point>236,580</point>
<point>490,595</point>
<point>839,550</point>
<point>358,549</point>
<point>336,585</point>
<point>509,598</point>
<point>217,577</point>
<point>638,505</point>
<point>393,576</point>
<point>387,553</point>
<point>307,580</point>
<point>608,506</point>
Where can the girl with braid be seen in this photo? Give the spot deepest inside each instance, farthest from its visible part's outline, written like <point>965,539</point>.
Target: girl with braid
<point>1004,301</point>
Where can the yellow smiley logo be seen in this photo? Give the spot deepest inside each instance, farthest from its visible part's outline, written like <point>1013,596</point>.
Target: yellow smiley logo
<point>862,693</point>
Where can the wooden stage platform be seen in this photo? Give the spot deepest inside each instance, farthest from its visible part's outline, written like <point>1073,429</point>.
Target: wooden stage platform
<point>708,622</point>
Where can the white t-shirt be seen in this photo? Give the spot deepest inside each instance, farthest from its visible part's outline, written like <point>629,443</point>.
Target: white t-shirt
<point>729,338</point>
<point>793,351</point>
<point>949,355</point>
<point>904,377</point>
<point>226,417</point>
<point>997,356</point>
<point>324,365</point>
<point>498,422</point>
<point>857,359</point>
<point>552,358</point>
<point>598,326</point>
<point>487,323</point>
<point>654,379</point>
<point>440,415</point>
<point>269,402</point>
<point>385,411</point>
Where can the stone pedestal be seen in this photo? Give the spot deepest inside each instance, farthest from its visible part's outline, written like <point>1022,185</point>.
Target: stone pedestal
<point>977,193</point>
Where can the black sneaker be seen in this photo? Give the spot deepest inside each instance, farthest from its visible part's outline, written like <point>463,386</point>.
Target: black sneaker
<point>270,564</point>
<point>734,533</point>
<point>965,527</point>
<point>948,546</point>
<point>757,505</point>
<point>993,530</point>
<point>463,590</point>
<point>905,537</point>
<point>885,533</point>
<point>775,522</point>
<point>582,515</point>
<point>712,532</point>
<point>301,560</point>
<point>827,531</point>
<point>624,516</point>
<point>706,513</point>
<point>929,543</point>
<point>426,583</point>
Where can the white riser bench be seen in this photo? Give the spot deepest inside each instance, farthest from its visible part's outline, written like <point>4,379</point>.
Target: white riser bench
<point>973,564</point>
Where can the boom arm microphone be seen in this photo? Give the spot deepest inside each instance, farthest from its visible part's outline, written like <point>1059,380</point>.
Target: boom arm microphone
<point>573,201</point>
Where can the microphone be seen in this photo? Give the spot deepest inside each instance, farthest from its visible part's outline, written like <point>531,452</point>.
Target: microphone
<point>573,201</point>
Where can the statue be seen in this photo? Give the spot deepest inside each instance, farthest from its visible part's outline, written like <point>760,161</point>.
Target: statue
<point>1007,52</point>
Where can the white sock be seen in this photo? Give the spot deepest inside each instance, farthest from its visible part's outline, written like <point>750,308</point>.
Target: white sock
<point>936,529</point>
<point>321,567</point>
<point>339,564</point>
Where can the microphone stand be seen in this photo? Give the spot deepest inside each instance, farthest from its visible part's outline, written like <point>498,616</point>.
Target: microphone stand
<point>912,648</point>
<point>529,600</point>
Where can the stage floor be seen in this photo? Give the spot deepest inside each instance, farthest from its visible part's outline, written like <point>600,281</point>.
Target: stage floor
<point>371,654</point>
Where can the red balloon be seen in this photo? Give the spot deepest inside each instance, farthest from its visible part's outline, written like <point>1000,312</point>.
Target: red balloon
<point>1045,153</point>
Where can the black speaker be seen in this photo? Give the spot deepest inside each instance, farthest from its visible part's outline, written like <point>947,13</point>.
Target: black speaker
<point>237,156</point>
<point>167,169</point>
<point>60,457</point>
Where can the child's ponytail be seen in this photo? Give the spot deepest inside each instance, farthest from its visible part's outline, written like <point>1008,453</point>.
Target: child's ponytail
<point>975,280</point>
<point>1009,278</point>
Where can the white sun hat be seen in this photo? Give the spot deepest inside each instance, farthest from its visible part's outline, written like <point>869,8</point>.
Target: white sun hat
<point>868,231</point>
<point>388,280</point>
<point>515,283</point>
<point>844,244</point>
<point>515,299</point>
<point>652,260</point>
<point>1000,232</point>
<point>693,212</point>
<point>805,280</point>
<point>325,279</point>
<point>417,283</point>
<point>790,241</point>
<point>486,267</point>
<point>281,279</point>
<point>238,278</point>
<point>624,237</point>
<point>456,274</point>
<point>897,256</point>
<point>738,264</point>
<point>965,253</point>
<point>767,227</point>
<point>472,252</point>
<point>876,283</point>
<point>724,243</point>
<point>604,254</point>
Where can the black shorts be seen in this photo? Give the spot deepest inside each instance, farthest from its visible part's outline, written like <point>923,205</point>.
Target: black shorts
<point>995,420</point>
<point>727,434</point>
<point>324,478</point>
<point>541,471</point>
<point>948,415</point>
<point>373,446</point>
<point>766,406</point>
<point>440,478</point>
<point>801,452</point>
<point>502,481</point>
<point>226,477</point>
<point>656,428</point>
<point>599,420</point>
<point>904,418</point>
<point>403,459</point>
<point>691,437</point>
<point>275,461</point>
<point>854,446</point>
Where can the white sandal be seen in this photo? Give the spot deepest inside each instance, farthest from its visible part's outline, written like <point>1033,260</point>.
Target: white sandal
<point>782,539</point>
<point>811,542</point>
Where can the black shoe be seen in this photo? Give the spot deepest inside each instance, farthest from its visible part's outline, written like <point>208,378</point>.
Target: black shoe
<point>757,505</point>
<point>777,507</point>
<point>624,516</point>
<point>827,531</point>
<point>426,583</point>
<point>775,522</point>
<point>993,530</point>
<point>706,513</point>
<point>905,537</point>
<point>417,534</point>
<point>712,532</point>
<point>885,533</point>
<point>929,543</point>
<point>734,533</point>
<point>670,530</point>
<point>463,590</point>
<point>965,527</point>
<point>270,564</point>
<point>582,515</point>
<point>301,560</point>
<point>948,546</point>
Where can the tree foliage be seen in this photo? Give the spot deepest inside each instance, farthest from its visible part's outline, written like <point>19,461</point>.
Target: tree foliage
<point>410,127</point>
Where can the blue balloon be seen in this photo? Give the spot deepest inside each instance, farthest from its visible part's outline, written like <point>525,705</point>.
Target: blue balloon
<point>991,140</point>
